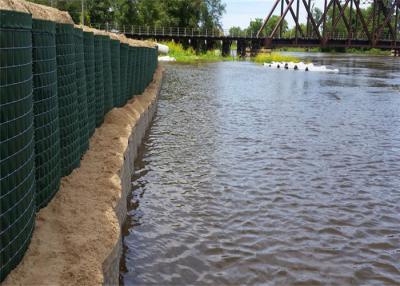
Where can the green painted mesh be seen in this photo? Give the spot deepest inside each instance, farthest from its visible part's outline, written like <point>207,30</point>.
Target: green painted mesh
<point>107,76</point>
<point>45,106</point>
<point>81,91</point>
<point>67,98</point>
<point>129,76</point>
<point>123,71</point>
<point>116,73</point>
<point>141,70</point>
<point>98,79</point>
<point>136,72</point>
<point>88,41</point>
<point>17,161</point>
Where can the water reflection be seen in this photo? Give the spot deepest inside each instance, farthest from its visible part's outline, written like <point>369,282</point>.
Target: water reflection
<point>258,176</point>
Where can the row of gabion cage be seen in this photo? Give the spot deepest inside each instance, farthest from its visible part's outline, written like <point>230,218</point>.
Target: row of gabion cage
<point>57,83</point>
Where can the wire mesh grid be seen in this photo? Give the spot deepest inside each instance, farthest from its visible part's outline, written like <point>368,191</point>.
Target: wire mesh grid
<point>107,76</point>
<point>17,168</point>
<point>45,103</point>
<point>81,91</point>
<point>67,98</point>
<point>116,75</point>
<point>99,89</point>
<point>90,87</point>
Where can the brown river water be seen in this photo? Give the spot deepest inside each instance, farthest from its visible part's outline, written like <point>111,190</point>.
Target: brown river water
<point>258,176</point>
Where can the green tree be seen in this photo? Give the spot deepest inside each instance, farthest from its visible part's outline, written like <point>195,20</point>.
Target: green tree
<point>255,26</point>
<point>235,31</point>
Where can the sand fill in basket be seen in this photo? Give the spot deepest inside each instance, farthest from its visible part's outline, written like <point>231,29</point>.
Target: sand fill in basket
<point>45,106</point>
<point>67,98</point>
<point>107,75</point>
<point>124,73</point>
<point>98,79</point>
<point>116,73</point>
<point>88,40</point>
<point>81,91</point>
<point>17,167</point>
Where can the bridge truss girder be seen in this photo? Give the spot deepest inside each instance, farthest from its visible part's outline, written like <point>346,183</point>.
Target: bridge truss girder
<point>385,15</point>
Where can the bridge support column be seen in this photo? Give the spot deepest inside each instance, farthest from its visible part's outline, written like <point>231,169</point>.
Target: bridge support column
<point>255,47</point>
<point>241,48</point>
<point>226,48</point>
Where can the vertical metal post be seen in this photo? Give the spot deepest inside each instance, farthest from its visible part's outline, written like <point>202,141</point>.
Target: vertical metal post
<point>297,16</point>
<point>396,19</point>
<point>308,20</point>
<point>324,23</point>
<point>280,27</point>
<point>351,21</point>
<point>333,17</point>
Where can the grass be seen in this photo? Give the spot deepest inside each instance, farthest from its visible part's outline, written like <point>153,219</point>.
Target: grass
<point>274,57</point>
<point>189,55</point>
<point>372,52</point>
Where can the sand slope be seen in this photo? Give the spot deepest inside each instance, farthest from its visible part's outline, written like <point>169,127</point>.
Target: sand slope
<point>79,229</point>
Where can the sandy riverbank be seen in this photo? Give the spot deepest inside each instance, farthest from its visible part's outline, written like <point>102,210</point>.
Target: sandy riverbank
<point>77,238</point>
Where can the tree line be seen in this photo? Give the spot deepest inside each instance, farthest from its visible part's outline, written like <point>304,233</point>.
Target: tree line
<point>199,14</point>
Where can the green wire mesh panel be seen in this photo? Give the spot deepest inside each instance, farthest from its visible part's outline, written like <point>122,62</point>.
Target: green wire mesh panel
<point>116,75</point>
<point>81,91</point>
<point>67,98</point>
<point>129,74</point>
<point>45,107</point>
<point>88,41</point>
<point>123,72</point>
<point>98,79</point>
<point>141,70</point>
<point>107,76</point>
<point>17,167</point>
<point>135,72</point>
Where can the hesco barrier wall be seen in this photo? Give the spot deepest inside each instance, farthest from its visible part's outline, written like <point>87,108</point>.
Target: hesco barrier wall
<point>81,91</point>
<point>53,92</point>
<point>98,79</point>
<point>17,168</point>
<point>47,129</point>
<point>88,40</point>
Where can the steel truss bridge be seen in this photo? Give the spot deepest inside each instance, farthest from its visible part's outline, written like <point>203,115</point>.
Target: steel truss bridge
<point>379,29</point>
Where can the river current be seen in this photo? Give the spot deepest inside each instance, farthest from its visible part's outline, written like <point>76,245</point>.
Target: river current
<point>258,176</point>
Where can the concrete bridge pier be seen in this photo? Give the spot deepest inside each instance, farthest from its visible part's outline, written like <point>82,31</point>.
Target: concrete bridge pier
<point>226,47</point>
<point>255,47</point>
<point>241,48</point>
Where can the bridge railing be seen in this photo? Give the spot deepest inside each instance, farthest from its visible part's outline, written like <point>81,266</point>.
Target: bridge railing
<point>156,31</point>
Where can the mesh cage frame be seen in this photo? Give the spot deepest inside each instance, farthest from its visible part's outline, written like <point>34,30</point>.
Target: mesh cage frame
<point>88,42</point>
<point>81,91</point>
<point>67,98</point>
<point>135,72</point>
<point>107,76</point>
<point>17,161</point>
<point>116,72</point>
<point>45,106</point>
<point>98,79</point>
<point>123,72</point>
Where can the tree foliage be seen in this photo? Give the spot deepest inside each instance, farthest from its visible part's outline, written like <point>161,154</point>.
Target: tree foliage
<point>204,14</point>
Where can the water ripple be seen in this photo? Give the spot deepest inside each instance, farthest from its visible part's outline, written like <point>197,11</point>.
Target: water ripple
<point>253,176</point>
